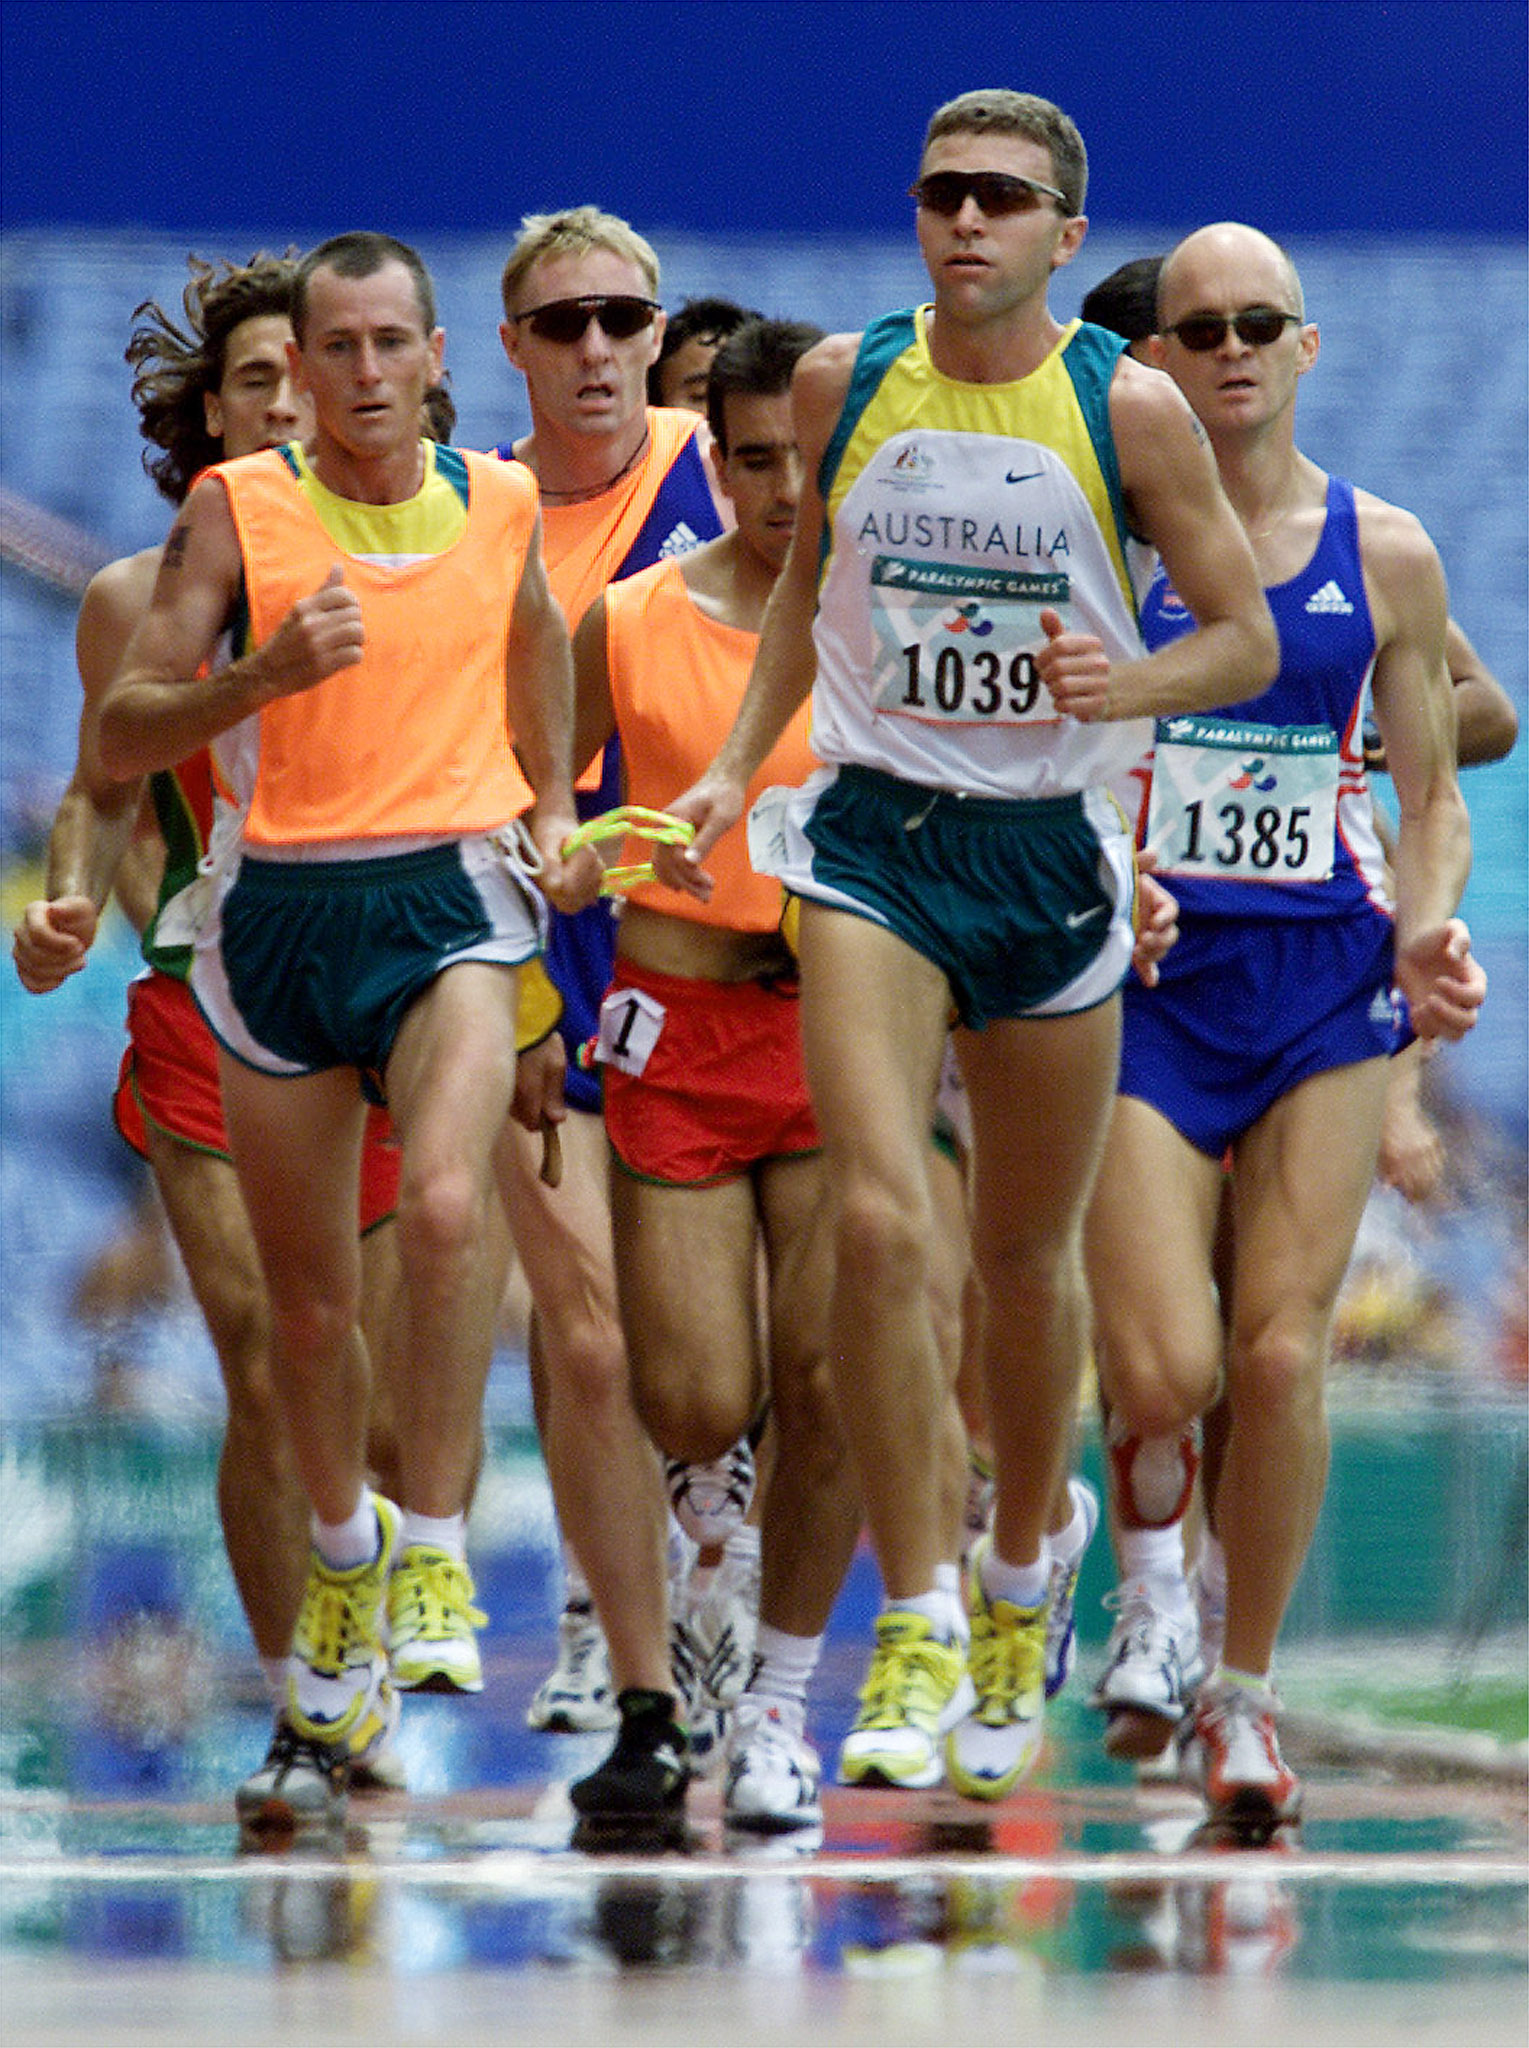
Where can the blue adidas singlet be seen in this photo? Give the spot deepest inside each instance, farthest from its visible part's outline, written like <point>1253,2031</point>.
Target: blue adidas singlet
<point>1283,964</point>
<point>1279,790</point>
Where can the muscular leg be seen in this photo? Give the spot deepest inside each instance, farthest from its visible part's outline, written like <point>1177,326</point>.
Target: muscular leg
<point>450,1078</point>
<point>685,1282</point>
<point>1300,1180</point>
<point>811,1518</point>
<point>1158,1331</point>
<point>1041,1091</point>
<point>873,1028</point>
<point>956,1302</point>
<point>384,1326</point>
<point>264,1517</point>
<point>296,1146</point>
<point>605,1475</point>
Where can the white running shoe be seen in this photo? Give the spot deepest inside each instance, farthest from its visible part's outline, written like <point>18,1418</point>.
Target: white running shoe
<point>1152,1667</point>
<point>1061,1632</point>
<point>711,1500</point>
<point>705,1718</point>
<point>575,1697</point>
<point>721,1620</point>
<point>339,1690</point>
<point>432,1623</point>
<point>773,1771</point>
<point>1249,1788</point>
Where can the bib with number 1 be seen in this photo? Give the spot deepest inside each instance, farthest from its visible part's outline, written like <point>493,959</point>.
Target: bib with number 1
<point>1243,802</point>
<point>956,644</point>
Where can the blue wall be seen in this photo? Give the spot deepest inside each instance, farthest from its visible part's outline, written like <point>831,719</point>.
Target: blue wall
<point>742,117</point>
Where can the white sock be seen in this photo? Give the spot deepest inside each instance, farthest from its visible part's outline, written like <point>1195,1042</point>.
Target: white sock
<point>1022,1585</point>
<point>934,1606</point>
<point>1067,1545</point>
<point>783,1666</point>
<point>356,1540</point>
<point>441,1532</point>
<point>947,1580</point>
<point>275,1672</point>
<point>1151,1553</point>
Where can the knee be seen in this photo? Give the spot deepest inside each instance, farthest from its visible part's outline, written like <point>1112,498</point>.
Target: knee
<point>1276,1371</point>
<point>1157,1392</point>
<point>695,1424</point>
<point>237,1314</point>
<point>441,1219</point>
<point>583,1357</point>
<point>882,1242</point>
<point>312,1327</point>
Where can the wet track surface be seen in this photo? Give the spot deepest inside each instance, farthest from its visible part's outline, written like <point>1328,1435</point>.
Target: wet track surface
<point>130,1908</point>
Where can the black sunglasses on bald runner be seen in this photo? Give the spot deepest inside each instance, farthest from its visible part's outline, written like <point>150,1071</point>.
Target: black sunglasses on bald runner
<point>996,192</point>
<point>620,315</point>
<point>1257,326</point>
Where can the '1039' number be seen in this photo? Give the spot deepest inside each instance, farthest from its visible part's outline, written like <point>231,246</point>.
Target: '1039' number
<point>975,688</point>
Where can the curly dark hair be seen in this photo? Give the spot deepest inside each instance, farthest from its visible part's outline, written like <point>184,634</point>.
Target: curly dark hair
<point>177,366</point>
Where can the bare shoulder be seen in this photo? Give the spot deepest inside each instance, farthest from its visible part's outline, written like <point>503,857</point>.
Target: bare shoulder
<point>1391,537</point>
<point>1402,571</point>
<point>115,599</point>
<point>821,378</point>
<point>1145,401</point>
<point>126,584</point>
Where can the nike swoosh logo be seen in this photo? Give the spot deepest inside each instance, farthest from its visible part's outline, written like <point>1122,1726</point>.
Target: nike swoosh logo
<point>1029,476</point>
<point>1077,917</point>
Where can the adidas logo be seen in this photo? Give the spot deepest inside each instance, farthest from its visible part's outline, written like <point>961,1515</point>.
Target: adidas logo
<point>1328,599</point>
<point>682,539</point>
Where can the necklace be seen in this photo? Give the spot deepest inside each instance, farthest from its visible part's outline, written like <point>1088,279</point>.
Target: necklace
<point>598,490</point>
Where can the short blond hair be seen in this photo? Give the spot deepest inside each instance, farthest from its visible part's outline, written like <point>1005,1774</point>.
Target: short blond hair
<point>573,232</point>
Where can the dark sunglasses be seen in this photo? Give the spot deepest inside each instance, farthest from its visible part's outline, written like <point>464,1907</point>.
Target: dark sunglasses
<point>1256,325</point>
<point>996,192</point>
<point>566,320</point>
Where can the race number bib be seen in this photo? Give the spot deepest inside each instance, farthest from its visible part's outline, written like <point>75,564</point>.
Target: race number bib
<point>630,1022</point>
<point>956,645</point>
<point>1246,803</point>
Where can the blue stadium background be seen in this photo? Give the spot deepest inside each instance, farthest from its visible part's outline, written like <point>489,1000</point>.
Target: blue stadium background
<point>766,149</point>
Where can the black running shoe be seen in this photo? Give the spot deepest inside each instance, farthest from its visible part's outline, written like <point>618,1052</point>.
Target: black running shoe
<point>637,1795</point>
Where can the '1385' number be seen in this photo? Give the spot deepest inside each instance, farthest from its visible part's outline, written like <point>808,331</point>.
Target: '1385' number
<point>1259,848</point>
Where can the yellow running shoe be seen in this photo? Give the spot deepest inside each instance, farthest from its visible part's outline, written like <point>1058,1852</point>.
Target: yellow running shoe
<point>990,1751</point>
<point>915,1689</point>
<point>339,1690</point>
<point>431,1618</point>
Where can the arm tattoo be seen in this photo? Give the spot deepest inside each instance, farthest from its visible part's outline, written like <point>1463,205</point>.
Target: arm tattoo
<point>175,546</point>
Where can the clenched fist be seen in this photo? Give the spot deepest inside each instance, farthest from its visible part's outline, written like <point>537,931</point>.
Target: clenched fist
<point>320,634</point>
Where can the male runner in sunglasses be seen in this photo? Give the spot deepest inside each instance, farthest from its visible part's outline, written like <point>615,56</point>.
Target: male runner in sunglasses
<point>958,601</point>
<point>623,485</point>
<point>1270,1032</point>
<point>1159,1644</point>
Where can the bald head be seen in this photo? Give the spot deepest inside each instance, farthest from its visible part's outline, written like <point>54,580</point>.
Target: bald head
<point>1227,264</point>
